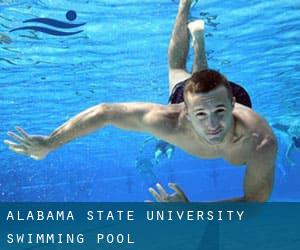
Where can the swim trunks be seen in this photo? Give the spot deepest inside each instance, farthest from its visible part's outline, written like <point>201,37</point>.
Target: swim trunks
<point>240,94</point>
<point>296,141</point>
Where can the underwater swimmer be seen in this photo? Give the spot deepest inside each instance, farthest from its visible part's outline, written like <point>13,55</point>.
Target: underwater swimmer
<point>208,124</point>
<point>296,141</point>
<point>293,132</point>
<point>177,68</point>
<point>4,39</point>
<point>163,149</point>
<point>294,145</point>
<point>145,169</point>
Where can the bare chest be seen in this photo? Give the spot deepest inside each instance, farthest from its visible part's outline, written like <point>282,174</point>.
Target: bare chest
<point>235,153</point>
<point>238,153</point>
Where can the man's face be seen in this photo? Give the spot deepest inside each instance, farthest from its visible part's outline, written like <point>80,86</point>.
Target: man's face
<point>210,114</point>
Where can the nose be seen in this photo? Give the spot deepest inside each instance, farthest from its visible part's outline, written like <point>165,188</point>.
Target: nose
<point>213,123</point>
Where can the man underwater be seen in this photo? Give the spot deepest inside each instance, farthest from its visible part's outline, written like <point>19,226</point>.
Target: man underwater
<point>208,117</point>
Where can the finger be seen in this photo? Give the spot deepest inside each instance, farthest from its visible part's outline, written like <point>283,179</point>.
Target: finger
<point>12,144</point>
<point>9,143</point>
<point>154,194</point>
<point>23,133</point>
<point>35,157</point>
<point>177,189</point>
<point>18,150</point>
<point>16,137</point>
<point>162,192</point>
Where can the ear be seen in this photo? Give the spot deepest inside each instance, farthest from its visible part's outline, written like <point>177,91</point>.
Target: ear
<point>186,113</point>
<point>233,101</point>
<point>188,116</point>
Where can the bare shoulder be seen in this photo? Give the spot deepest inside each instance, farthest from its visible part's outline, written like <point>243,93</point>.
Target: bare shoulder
<point>254,127</point>
<point>166,118</point>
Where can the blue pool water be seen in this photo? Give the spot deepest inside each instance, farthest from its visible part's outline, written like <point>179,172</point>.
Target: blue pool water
<point>121,56</point>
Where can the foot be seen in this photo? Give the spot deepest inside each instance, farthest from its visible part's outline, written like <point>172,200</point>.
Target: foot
<point>190,2</point>
<point>187,3</point>
<point>196,29</point>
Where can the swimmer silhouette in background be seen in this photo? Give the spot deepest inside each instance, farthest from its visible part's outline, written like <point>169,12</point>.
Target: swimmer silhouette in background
<point>4,39</point>
<point>145,169</point>
<point>145,161</point>
<point>283,144</point>
<point>292,130</point>
<point>208,117</point>
<point>162,149</point>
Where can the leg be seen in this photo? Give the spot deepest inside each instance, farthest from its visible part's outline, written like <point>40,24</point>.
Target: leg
<point>196,29</point>
<point>179,46</point>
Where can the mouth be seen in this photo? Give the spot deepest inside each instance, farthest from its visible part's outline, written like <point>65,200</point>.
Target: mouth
<point>215,131</point>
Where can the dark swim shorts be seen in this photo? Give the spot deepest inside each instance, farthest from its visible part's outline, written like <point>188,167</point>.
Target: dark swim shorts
<point>240,94</point>
<point>296,141</point>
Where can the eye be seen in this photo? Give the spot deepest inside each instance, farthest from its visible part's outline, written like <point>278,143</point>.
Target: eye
<point>220,111</point>
<point>201,114</point>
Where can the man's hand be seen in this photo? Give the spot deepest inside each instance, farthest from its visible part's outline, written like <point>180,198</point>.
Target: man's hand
<point>163,196</point>
<point>33,146</point>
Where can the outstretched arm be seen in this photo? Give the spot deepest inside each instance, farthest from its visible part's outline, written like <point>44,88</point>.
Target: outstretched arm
<point>145,117</point>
